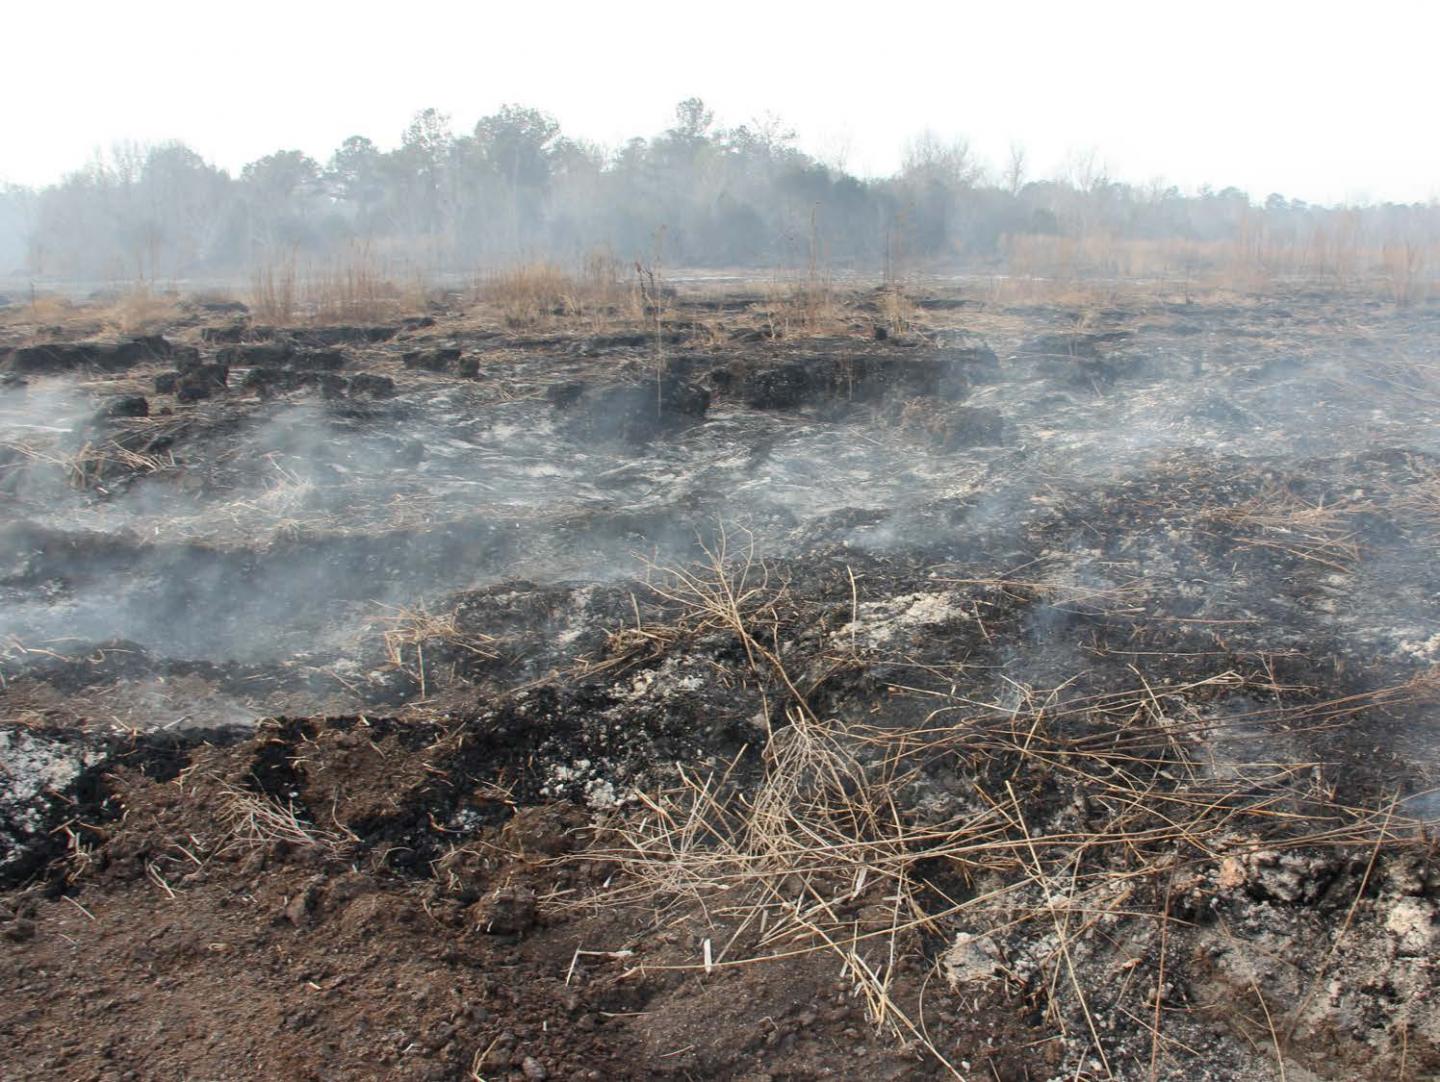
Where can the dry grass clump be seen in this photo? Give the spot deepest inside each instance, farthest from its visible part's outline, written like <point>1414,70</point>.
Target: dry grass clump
<point>358,288</point>
<point>807,308</point>
<point>1045,825</point>
<point>725,592</point>
<point>274,295</point>
<point>141,309</point>
<point>91,465</point>
<point>1281,520</point>
<point>814,305</point>
<point>897,314</point>
<point>252,820</point>
<point>807,303</point>
<point>830,850</point>
<point>409,631</point>
<point>95,463</point>
<point>1403,265</point>
<point>47,308</point>
<point>358,292</point>
<point>1100,271</point>
<point>1005,290</point>
<point>47,313</point>
<point>538,293</point>
<point>531,293</point>
<point>20,453</point>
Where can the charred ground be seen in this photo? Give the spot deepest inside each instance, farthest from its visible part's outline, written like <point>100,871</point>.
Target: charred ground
<point>697,690</point>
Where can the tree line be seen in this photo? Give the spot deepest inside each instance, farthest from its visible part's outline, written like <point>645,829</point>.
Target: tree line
<point>698,194</point>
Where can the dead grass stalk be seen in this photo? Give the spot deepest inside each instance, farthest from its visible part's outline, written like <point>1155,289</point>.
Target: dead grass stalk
<point>820,838</point>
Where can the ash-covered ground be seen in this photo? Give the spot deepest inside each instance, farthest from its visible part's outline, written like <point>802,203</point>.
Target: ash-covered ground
<point>958,689</point>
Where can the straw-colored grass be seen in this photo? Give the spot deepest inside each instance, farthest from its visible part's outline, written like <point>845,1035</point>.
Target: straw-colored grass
<point>250,820</point>
<point>407,632</point>
<point>1280,520</point>
<point>532,293</point>
<point>536,294</point>
<point>356,288</point>
<point>141,309</point>
<point>820,840</point>
<point>274,294</point>
<point>1254,261</point>
<point>90,466</point>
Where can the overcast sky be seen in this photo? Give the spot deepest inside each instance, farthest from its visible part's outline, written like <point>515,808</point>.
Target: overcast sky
<point>1322,101</point>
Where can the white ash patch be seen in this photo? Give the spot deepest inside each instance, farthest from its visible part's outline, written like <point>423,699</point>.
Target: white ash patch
<point>466,821</point>
<point>668,679</point>
<point>1426,649</point>
<point>1412,922</point>
<point>879,623</point>
<point>1278,875</point>
<point>34,766</point>
<point>972,959</point>
<point>580,618</point>
<point>598,790</point>
<point>600,794</point>
<point>31,769</point>
<point>560,775</point>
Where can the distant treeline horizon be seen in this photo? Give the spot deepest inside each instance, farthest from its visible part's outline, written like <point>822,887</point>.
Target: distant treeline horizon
<point>516,188</point>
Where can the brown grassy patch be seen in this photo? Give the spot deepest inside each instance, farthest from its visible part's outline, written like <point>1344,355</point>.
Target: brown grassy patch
<point>358,288</point>
<point>142,309</point>
<point>273,296</point>
<point>531,293</point>
<point>539,293</point>
<point>47,308</point>
<point>1256,260</point>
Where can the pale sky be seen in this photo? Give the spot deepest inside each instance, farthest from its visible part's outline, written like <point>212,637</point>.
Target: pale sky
<point>1322,101</point>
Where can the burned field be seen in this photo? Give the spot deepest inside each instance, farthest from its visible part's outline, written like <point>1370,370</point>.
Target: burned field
<point>942,689</point>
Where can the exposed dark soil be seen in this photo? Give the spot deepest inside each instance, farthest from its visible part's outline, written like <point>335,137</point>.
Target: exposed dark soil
<point>1011,693</point>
